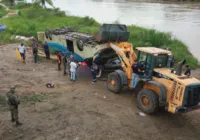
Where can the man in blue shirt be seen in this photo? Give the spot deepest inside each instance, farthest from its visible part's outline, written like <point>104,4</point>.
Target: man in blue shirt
<point>46,50</point>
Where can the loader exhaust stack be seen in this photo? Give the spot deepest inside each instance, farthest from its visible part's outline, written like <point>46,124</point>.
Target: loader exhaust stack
<point>179,67</point>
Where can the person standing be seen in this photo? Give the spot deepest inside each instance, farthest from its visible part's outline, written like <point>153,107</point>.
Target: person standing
<point>13,103</point>
<point>65,62</point>
<point>59,59</point>
<point>69,60</point>
<point>35,53</point>
<point>21,49</point>
<point>94,69</point>
<point>46,50</point>
<point>73,67</point>
<point>187,71</point>
<point>34,44</point>
<point>171,60</point>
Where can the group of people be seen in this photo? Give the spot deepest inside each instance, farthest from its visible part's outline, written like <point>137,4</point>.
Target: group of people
<point>69,62</point>
<point>72,65</point>
<point>22,51</point>
<point>35,50</point>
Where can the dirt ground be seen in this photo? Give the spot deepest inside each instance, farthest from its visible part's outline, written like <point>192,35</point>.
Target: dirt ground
<point>80,111</point>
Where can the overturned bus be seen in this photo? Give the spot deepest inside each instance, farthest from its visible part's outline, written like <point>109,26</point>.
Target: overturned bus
<point>85,47</point>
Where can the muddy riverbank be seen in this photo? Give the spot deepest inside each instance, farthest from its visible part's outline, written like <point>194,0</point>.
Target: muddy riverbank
<point>79,111</point>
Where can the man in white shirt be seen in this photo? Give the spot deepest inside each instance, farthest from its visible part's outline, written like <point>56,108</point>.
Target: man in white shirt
<point>73,67</point>
<point>22,51</point>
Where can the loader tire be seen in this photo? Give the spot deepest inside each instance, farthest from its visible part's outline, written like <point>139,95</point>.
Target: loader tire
<point>114,83</point>
<point>148,101</point>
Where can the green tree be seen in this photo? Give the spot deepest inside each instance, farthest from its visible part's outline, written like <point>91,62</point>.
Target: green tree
<point>43,2</point>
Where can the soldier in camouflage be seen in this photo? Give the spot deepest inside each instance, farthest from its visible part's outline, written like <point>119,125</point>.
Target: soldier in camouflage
<point>13,103</point>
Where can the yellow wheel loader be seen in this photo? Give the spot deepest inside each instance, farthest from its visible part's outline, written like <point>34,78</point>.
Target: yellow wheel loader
<point>155,84</point>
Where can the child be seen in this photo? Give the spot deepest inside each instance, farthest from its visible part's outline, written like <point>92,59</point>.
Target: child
<point>73,67</point>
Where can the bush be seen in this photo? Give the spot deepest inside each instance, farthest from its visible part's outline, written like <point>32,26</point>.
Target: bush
<point>88,21</point>
<point>21,5</point>
<point>3,12</point>
<point>60,14</point>
<point>7,2</point>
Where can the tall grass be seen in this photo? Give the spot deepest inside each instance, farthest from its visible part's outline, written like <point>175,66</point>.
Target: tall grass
<point>35,18</point>
<point>150,37</point>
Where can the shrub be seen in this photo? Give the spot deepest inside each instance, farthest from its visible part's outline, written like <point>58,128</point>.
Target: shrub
<point>88,21</point>
<point>21,5</point>
<point>3,12</point>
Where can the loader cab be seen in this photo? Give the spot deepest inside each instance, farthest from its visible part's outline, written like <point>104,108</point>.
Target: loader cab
<point>145,64</point>
<point>150,58</point>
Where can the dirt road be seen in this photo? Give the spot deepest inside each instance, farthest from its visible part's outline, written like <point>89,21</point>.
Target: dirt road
<point>80,111</point>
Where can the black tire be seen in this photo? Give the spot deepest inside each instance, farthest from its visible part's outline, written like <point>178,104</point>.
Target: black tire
<point>153,101</point>
<point>80,45</point>
<point>118,83</point>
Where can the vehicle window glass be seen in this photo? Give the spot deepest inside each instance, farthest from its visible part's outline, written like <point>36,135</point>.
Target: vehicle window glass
<point>148,63</point>
<point>161,61</point>
<point>143,57</point>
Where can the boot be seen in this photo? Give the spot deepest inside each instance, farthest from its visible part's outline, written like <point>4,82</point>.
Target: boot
<point>18,123</point>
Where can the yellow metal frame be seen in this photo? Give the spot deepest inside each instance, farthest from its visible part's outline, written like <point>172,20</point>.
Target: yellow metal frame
<point>128,57</point>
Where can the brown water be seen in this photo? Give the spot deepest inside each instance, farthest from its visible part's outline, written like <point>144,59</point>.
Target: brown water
<point>182,20</point>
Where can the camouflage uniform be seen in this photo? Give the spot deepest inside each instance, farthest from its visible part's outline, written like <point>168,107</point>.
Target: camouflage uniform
<point>13,102</point>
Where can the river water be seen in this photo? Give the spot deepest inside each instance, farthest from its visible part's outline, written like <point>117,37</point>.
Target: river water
<point>181,19</point>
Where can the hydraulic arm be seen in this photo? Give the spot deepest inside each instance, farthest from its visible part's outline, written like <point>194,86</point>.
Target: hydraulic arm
<point>127,57</point>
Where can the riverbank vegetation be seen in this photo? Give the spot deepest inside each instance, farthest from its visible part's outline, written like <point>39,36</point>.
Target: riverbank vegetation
<point>3,11</point>
<point>165,0</point>
<point>32,19</point>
